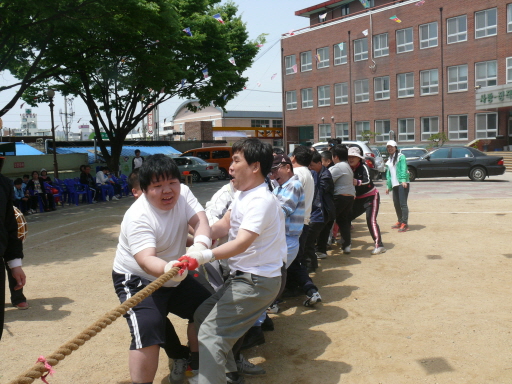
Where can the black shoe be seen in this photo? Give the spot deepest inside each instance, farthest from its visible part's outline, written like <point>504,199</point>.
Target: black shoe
<point>234,378</point>
<point>253,337</point>
<point>291,292</point>
<point>268,324</point>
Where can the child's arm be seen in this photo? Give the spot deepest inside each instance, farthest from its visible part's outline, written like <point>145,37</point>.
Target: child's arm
<point>149,262</point>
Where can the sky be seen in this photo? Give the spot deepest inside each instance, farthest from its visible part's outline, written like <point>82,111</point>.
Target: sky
<point>273,17</point>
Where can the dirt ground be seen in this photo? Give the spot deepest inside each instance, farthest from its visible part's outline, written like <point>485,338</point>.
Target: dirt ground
<point>436,308</point>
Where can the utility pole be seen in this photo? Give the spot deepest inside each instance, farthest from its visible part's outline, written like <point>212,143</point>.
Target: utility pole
<point>68,117</point>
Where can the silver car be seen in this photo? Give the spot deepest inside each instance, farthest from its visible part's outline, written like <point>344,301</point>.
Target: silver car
<point>198,168</point>
<point>380,164</point>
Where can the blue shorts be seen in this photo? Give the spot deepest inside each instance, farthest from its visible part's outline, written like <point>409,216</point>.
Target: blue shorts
<point>147,319</point>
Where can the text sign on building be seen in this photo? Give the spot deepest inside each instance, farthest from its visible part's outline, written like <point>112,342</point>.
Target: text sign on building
<point>494,97</point>
<point>150,120</point>
<point>19,164</point>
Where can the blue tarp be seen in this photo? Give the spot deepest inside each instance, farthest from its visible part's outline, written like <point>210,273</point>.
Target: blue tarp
<point>23,149</point>
<point>127,151</point>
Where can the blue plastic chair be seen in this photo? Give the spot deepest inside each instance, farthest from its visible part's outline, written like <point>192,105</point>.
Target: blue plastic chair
<point>76,190</point>
<point>63,189</point>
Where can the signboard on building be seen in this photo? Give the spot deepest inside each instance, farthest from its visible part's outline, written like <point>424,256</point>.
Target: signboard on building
<point>150,120</point>
<point>494,97</point>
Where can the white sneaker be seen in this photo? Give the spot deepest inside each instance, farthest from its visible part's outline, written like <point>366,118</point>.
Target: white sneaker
<point>379,250</point>
<point>179,367</point>
<point>346,250</point>
<point>312,298</point>
<point>321,255</point>
<point>115,198</point>
<point>106,198</point>
<point>274,308</point>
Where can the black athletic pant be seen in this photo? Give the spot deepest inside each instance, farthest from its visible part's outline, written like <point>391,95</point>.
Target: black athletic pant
<point>370,205</point>
<point>297,273</point>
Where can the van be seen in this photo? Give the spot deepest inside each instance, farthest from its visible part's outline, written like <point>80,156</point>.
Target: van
<point>218,155</point>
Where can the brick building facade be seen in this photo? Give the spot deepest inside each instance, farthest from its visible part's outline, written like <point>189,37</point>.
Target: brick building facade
<point>355,69</point>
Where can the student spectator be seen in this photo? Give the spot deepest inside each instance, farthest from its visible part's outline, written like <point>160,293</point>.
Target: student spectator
<point>22,198</point>
<point>45,177</point>
<point>153,235</point>
<point>36,187</point>
<point>397,181</point>
<point>134,184</point>
<point>104,183</point>
<point>367,197</point>
<point>344,193</point>
<point>87,179</point>
<point>323,237</point>
<point>137,160</point>
<point>255,252</point>
<point>327,159</point>
<point>11,247</point>
<point>26,179</point>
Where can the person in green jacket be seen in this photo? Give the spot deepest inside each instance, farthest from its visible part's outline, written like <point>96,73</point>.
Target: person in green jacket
<point>398,181</point>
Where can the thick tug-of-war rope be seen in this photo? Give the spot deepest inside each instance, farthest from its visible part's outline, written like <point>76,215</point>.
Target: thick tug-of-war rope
<point>39,369</point>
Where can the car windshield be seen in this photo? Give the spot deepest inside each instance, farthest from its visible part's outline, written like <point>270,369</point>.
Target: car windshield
<point>200,161</point>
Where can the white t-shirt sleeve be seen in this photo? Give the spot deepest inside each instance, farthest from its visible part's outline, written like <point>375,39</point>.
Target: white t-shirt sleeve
<point>140,236</point>
<point>256,216</point>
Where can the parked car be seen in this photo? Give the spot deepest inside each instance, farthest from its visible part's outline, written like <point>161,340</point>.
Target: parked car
<point>219,155</point>
<point>380,164</point>
<point>456,161</point>
<point>198,168</point>
<point>365,149</point>
<point>413,153</point>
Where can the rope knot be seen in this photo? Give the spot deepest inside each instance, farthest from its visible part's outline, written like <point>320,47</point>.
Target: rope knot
<point>48,367</point>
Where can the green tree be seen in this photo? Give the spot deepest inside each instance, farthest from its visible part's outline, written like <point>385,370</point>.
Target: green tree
<point>367,136</point>
<point>136,56</point>
<point>438,139</point>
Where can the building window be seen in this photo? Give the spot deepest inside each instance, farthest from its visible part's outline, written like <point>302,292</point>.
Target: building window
<point>381,88</point>
<point>405,84</point>
<point>289,62</point>
<point>429,82</point>
<point>457,127</point>
<point>486,23</point>
<point>429,127</point>
<point>486,74</point>
<point>306,61</point>
<point>324,132</point>
<point>341,93</point>
<point>361,91</point>
<point>404,40</point>
<point>457,29</point>
<point>509,70</point>
<point>380,45</point>
<point>458,78</point>
<point>361,49</point>
<point>340,55</point>
<point>342,130</point>
<point>382,128</point>
<point>307,98</point>
<point>291,100</point>
<point>405,129</point>
<point>322,57</point>
<point>345,10</point>
<point>486,125</point>
<point>324,95</point>
<point>260,123</point>
<point>277,123</point>
<point>428,35</point>
<point>509,18</point>
<point>361,126</point>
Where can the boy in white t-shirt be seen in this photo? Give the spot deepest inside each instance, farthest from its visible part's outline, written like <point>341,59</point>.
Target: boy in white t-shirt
<point>256,251</point>
<point>153,236</point>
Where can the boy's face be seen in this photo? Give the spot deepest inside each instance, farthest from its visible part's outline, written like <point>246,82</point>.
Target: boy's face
<point>25,178</point>
<point>163,194</point>
<point>325,162</point>
<point>242,173</point>
<point>18,186</point>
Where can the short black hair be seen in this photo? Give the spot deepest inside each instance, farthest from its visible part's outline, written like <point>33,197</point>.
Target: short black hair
<point>341,152</point>
<point>316,158</point>
<point>18,181</point>
<point>302,155</point>
<point>334,141</point>
<point>255,151</point>
<point>327,155</point>
<point>278,151</point>
<point>32,174</point>
<point>159,167</point>
<point>137,150</point>
<point>27,176</point>
<point>133,179</point>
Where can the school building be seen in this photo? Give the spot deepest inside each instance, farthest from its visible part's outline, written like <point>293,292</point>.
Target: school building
<point>403,70</point>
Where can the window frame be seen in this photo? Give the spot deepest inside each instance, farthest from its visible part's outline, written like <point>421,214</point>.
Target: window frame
<point>457,133</point>
<point>324,61</point>
<point>430,85</point>
<point>406,88</point>
<point>340,57</point>
<point>361,124</point>
<point>429,39</point>
<point>291,104</point>
<point>359,55</point>
<point>304,67</point>
<point>456,19</point>
<point>486,130</point>
<point>289,62</point>
<point>458,82</point>
<point>379,51</point>
<point>324,137</point>
<point>509,17</point>
<point>322,99</point>
<point>341,127</point>
<point>508,68</point>
<point>382,91</point>
<point>406,43</point>
<point>487,27</point>
<point>257,123</point>
<point>404,137</point>
<point>360,84</point>
<point>381,136</point>
<point>344,98</point>
<point>430,132</point>
<point>309,101</point>
<point>487,79</point>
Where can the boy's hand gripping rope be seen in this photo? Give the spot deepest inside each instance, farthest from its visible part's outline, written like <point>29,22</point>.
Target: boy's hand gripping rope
<point>40,368</point>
